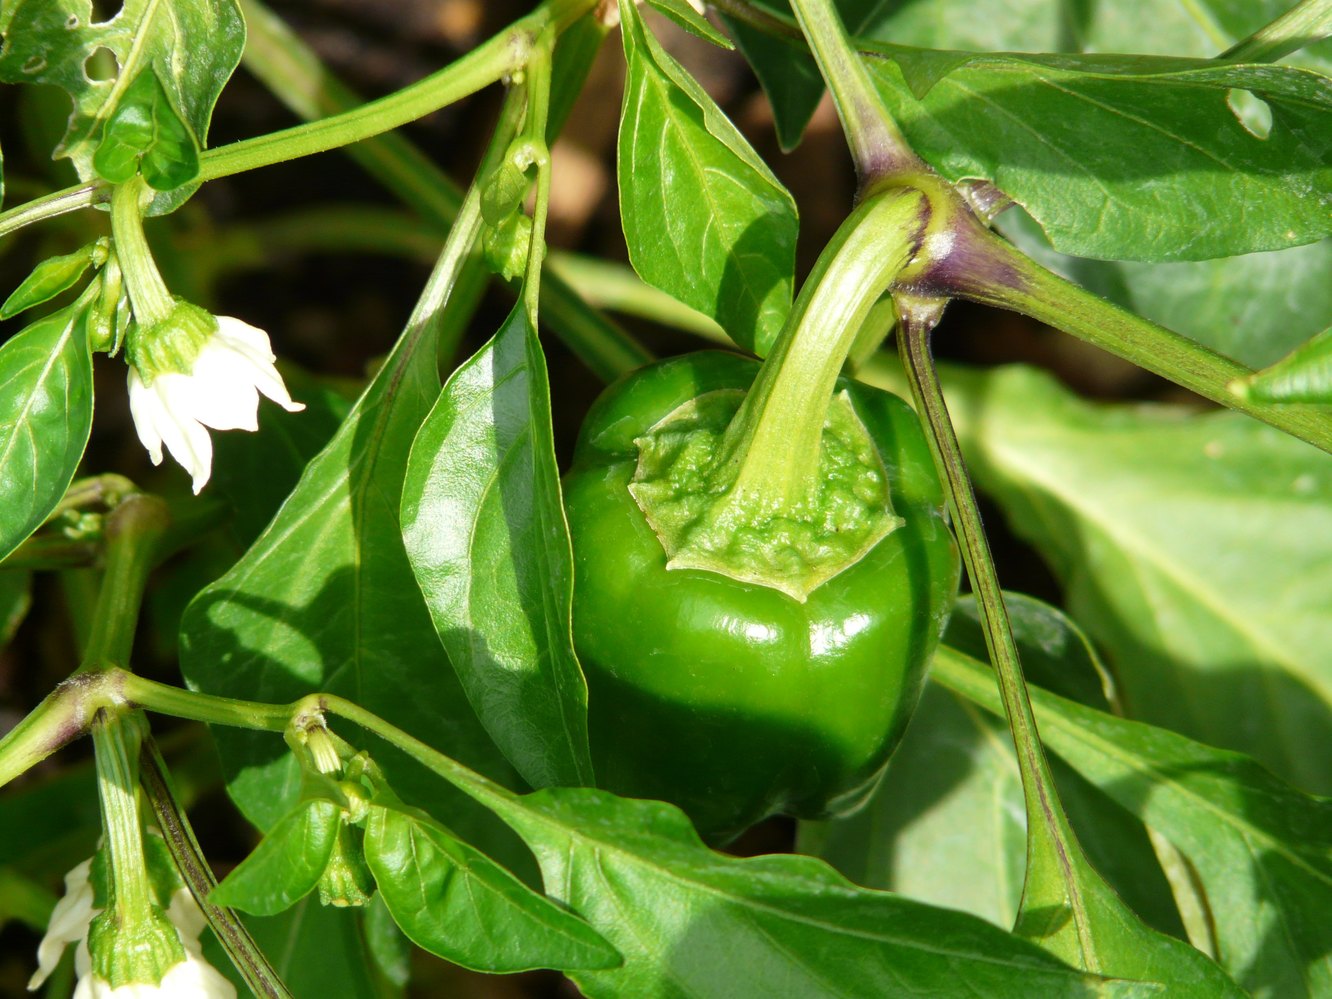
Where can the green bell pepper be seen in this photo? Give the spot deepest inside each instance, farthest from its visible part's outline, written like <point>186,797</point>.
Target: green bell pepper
<point>734,698</point>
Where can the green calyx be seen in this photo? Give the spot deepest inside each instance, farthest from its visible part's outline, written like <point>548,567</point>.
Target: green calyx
<point>782,485</point>
<point>170,345</point>
<point>687,491</point>
<point>127,951</point>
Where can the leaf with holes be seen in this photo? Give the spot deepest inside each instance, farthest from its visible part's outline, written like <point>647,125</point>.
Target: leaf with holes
<point>190,47</point>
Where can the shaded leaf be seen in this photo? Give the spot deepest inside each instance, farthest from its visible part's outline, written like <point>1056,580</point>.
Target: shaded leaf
<point>483,525</point>
<point>144,134</point>
<point>46,407</point>
<point>1202,569</point>
<point>458,904</point>
<point>704,217</point>
<point>1262,850</point>
<point>287,863</point>
<point>682,12</point>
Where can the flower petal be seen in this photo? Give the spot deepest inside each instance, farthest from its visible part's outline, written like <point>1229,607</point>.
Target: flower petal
<point>148,413</point>
<point>222,393</point>
<point>68,924</point>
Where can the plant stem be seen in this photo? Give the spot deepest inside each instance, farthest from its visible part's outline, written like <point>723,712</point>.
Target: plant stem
<point>534,129</point>
<point>498,57</point>
<point>69,199</point>
<point>131,533</point>
<point>293,73</point>
<point>165,699</point>
<point>879,149</point>
<point>1305,23</point>
<point>774,438</point>
<point>245,954</point>
<point>1048,833</point>
<point>148,293</point>
<point>989,270</point>
<point>116,742</point>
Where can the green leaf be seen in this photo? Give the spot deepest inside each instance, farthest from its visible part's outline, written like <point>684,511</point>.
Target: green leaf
<point>691,922</point>
<point>1303,376</point>
<point>190,47</point>
<point>287,863</point>
<point>789,77</point>
<point>704,218</point>
<point>458,904</point>
<point>682,12</point>
<point>46,406</point>
<point>49,279</point>
<point>143,134</point>
<point>325,600</point>
<point>483,525</point>
<point>1261,850</point>
<point>1203,569</point>
<point>1173,173</point>
<point>1253,308</point>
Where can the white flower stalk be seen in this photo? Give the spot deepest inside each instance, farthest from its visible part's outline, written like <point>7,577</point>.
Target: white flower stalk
<point>194,371</point>
<point>71,921</point>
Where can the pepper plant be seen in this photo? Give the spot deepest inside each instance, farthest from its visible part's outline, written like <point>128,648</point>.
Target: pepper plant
<point>516,722</point>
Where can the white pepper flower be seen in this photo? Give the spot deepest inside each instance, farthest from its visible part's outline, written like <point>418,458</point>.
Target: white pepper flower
<point>194,371</point>
<point>71,921</point>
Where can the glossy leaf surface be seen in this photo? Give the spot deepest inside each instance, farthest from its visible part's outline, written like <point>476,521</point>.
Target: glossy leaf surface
<point>704,217</point>
<point>1173,173</point>
<point>287,863</point>
<point>1305,375</point>
<point>484,530</point>
<point>46,407</point>
<point>456,903</point>
<point>48,279</point>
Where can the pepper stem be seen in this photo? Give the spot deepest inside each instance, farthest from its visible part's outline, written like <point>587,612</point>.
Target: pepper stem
<point>773,442</point>
<point>148,293</point>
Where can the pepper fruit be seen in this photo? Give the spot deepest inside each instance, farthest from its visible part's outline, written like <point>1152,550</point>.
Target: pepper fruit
<point>729,697</point>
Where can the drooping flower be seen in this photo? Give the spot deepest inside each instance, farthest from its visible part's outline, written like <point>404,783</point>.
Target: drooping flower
<point>72,922</point>
<point>194,371</point>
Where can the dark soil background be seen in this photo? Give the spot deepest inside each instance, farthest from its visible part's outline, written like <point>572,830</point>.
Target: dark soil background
<point>334,311</point>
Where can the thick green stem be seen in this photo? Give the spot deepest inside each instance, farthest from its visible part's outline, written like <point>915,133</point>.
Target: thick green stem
<point>1048,834</point>
<point>131,534</point>
<point>773,442</point>
<point>989,270</point>
<point>69,199</point>
<point>148,294</point>
<point>536,153</point>
<point>877,145</point>
<point>1302,25</point>
<point>116,740</point>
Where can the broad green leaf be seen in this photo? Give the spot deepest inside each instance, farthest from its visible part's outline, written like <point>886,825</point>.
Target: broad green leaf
<point>1303,376</point>
<point>458,904</point>
<point>1172,174</point>
<point>191,47</point>
<point>789,77</point>
<point>48,279</point>
<point>325,600</point>
<point>1261,850</point>
<point>144,135</point>
<point>682,12</point>
<point>704,217</point>
<point>46,406</point>
<point>1253,308</point>
<point>1196,549</point>
<point>287,863</point>
<point>694,923</point>
<point>483,525</point>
